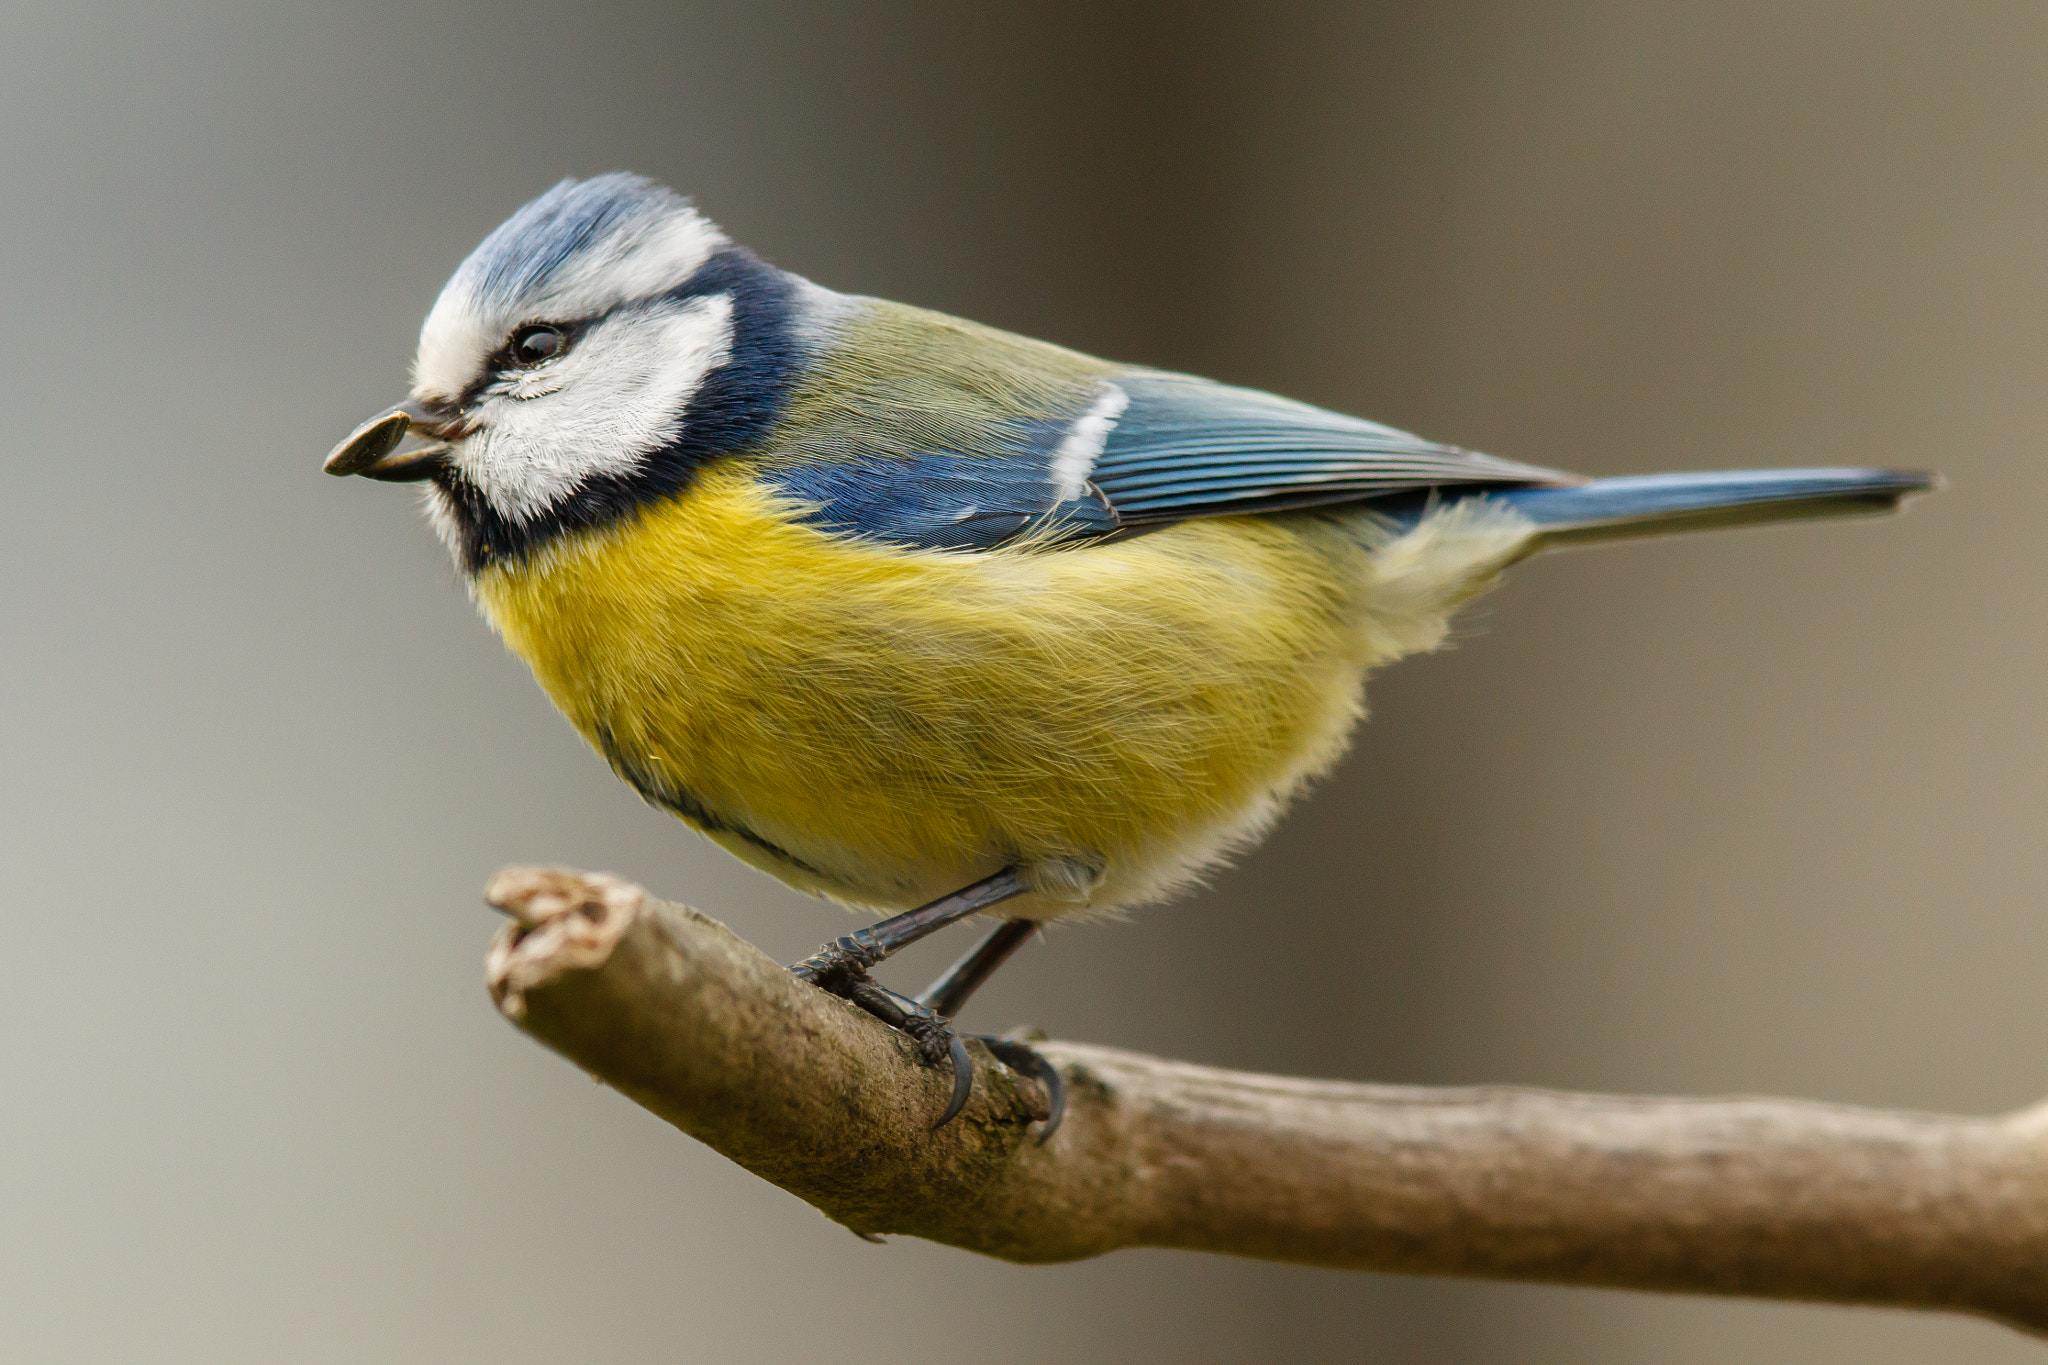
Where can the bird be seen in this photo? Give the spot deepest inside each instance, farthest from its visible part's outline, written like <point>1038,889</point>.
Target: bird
<point>931,619</point>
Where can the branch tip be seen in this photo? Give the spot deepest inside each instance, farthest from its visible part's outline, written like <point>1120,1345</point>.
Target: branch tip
<point>562,920</point>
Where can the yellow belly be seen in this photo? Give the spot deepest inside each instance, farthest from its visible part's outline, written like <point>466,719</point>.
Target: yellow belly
<point>885,725</point>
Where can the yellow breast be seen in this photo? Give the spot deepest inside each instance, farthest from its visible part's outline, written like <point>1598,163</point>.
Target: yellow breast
<point>886,725</point>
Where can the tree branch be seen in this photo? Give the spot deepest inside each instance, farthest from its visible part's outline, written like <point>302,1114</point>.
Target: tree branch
<point>1774,1198</point>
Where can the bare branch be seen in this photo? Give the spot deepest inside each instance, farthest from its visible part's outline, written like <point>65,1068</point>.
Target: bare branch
<point>1774,1198</point>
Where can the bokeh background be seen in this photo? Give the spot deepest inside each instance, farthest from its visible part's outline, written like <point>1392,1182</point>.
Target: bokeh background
<point>1756,812</point>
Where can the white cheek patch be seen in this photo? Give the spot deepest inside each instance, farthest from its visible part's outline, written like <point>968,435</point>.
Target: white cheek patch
<point>617,396</point>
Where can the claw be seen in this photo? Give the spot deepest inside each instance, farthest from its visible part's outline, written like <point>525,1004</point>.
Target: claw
<point>935,1040</point>
<point>963,1082</point>
<point>1025,1060</point>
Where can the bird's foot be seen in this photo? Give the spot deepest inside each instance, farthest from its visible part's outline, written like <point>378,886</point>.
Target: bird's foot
<point>841,960</point>
<point>1018,1055</point>
<point>841,968</point>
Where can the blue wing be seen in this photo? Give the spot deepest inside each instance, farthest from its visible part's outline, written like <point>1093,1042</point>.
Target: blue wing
<point>1134,450</point>
<point>956,499</point>
<point>1181,447</point>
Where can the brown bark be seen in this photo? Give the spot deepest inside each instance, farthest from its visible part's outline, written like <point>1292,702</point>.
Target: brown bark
<point>1775,1198</point>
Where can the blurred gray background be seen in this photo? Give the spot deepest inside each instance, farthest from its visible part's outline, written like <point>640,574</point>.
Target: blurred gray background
<point>1755,812</point>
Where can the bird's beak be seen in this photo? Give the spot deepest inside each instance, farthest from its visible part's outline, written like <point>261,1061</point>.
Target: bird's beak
<point>404,445</point>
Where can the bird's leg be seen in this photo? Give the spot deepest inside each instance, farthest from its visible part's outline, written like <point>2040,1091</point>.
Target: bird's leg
<point>851,956</point>
<point>841,967</point>
<point>945,997</point>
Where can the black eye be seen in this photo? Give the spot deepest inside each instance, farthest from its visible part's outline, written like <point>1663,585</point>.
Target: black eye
<point>531,345</point>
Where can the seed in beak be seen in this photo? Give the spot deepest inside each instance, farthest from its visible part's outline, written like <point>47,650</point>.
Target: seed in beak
<point>368,443</point>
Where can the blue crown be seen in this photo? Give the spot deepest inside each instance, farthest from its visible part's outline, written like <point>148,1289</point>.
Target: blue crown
<point>573,218</point>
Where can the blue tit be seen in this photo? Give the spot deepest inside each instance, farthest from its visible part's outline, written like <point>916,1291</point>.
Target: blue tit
<point>933,619</point>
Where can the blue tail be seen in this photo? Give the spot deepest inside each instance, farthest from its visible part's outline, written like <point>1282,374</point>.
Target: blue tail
<point>1652,504</point>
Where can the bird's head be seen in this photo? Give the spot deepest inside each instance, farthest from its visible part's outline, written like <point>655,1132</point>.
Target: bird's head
<point>592,352</point>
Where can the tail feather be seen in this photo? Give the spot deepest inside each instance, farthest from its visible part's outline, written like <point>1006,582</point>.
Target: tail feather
<point>1654,504</point>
